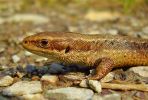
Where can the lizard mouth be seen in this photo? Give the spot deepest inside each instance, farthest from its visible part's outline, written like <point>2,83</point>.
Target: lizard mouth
<point>35,50</point>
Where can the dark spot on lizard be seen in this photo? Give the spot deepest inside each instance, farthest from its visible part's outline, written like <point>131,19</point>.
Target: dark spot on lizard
<point>67,49</point>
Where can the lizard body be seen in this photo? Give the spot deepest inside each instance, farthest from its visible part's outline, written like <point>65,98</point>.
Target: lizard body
<point>103,52</point>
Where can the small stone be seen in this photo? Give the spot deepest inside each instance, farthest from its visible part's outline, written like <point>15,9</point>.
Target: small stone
<point>97,97</point>
<point>145,30</point>
<point>69,93</point>
<point>101,16</point>
<point>20,75</point>
<point>2,20</point>
<point>109,77</point>
<point>95,85</point>
<point>140,95</point>
<point>15,58</point>
<point>32,97</point>
<point>2,67</point>
<point>134,22</point>
<point>23,88</point>
<point>40,59</point>
<point>3,98</point>
<point>10,72</point>
<point>73,76</point>
<point>50,78</point>
<point>42,70</point>
<point>123,29</point>
<point>56,68</point>
<point>144,36</point>
<point>84,83</point>
<point>114,96</point>
<point>141,70</point>
<point>94,32</point>
<point>6,81</point>
<point>3,61</point>
<point>30,69</point>
<point>28,53</point>
<point>72,29</point>
<point>2,50</point>
<point>113,31</point>
<point>36,19</point>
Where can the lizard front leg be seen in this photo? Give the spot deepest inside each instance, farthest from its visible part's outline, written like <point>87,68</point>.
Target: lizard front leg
<point>103,67</point>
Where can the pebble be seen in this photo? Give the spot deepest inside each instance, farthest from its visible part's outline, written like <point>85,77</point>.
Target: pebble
<point>2,50</point>
<point>23,88</point>
<point>109,77</point>
<point>140,95</point>
<point>27,53</point>
<point>73,76</point>
<point>42,70</point>
<point>50,79</point>
<point>40,59</point>
<point>141,70</point>
<point>2,67</point>
<point>94,32</point>
<point>20,75</point>
<point>10,72</point>
<point>72,28</point>
<point>112,31</point>
<point>101,16</point>
<point>145,30</point>
<point>3,61</point>
<point>56,68</point>
<point>70,93</point>
<point>135,22</point>
<point>15,58</point>
<point>32,97</point>
<point>31,70</point>
<point>123,29</point>
<point>6,81</point>
<point>97,97</point>
<point>36,19</point>
<point>95,85</point>
<point>113,96</point>
<point>2,20</point>
<point>83,83</point>
<point>3,98</point>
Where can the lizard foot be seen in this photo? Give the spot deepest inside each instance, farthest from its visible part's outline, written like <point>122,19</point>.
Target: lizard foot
<point>95,77</point>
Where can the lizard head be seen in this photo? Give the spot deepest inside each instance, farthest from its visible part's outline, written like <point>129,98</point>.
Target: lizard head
<point>54,43</point>
<point>47,43</point>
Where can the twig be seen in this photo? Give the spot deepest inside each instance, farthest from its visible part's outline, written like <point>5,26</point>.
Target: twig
<point>141,87</point>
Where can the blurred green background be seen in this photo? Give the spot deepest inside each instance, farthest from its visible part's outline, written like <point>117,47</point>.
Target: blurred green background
<point>124,5</point>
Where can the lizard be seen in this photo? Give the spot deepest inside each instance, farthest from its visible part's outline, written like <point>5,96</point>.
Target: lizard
<point>98,51</point>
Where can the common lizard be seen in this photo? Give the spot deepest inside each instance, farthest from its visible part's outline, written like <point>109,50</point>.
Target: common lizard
<point>102,52</point>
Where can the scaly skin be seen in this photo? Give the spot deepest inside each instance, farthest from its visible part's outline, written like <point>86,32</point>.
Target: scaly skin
<point>103,52</point>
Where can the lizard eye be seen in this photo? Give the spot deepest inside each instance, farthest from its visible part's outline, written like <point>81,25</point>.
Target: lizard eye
<point>44,43</point>
<point>67,49</point>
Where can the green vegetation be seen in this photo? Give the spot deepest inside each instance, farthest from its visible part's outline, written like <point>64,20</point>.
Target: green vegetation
<point>126,5</point>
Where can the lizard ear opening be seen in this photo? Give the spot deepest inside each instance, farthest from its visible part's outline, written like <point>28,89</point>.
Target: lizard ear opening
<point>67,49</point>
